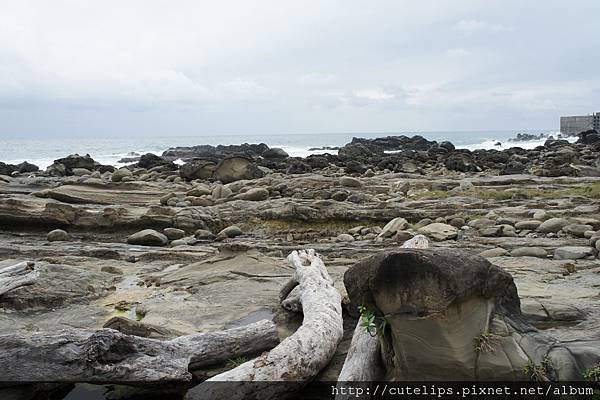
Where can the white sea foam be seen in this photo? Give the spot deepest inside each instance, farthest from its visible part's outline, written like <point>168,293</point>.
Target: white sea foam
<point>494,144</point>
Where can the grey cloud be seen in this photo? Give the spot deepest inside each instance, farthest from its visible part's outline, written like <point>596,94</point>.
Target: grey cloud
<point>188,67</point>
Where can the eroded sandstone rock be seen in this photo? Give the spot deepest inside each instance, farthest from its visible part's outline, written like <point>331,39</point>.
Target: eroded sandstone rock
<point>445,315</point>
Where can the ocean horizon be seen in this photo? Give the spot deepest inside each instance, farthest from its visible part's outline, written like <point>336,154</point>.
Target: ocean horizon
<point>42,152</point>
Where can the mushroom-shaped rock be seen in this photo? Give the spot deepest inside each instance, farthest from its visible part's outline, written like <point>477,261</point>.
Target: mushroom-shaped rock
<point>450,315</point>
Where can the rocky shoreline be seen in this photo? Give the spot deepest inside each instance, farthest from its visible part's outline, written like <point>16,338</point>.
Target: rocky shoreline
<point>201,247</point>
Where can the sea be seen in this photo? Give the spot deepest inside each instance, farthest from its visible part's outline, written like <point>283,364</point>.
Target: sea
<point>42,152</point>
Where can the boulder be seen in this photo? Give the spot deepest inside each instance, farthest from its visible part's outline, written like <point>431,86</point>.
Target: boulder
<point>577,230</point>
<point>221,192</point>
<point>529,225</point>
<point>76,161</point>
<point>572,252</point>
<point>198,191</point>
<point>173,233</point>
<point>164,200</point>
<point>58,235</point>
<point>203,234</point>
<point>392,227</point>
<point>56,169</point>
<point>80,171</point>
<point>512,168</point>
<point>230,232</point>
<point>589,137</point>
<point>197,169</point>
<point>552,225</point>
<point>348,181</point>
<point>121,173</point>
<point>439,231</point>
<point>448,146</point>
<point>233,169</point>
<point>317,161</point>
<point>344,237</point>
<point>255,194</point>
<point>149,161</point>
<point>481,223</point>
<point>357,151</point>
<point>26,167</point>
<point>457,222</point>
<point>298,167</point>
<point>339,195</point>
<point>7,169</point>
<point>403,236</point>
<point>275,153</point>
<point>492,231</point>
<point>355,167</point>
<point>148,237</point>
<point>460,162</point>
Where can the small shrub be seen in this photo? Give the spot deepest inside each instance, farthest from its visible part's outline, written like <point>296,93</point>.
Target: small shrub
<point>538,373</point>
<point>236,362</point>
<point>485,343</point>
<point>373,324</point>
<point>592,374</point>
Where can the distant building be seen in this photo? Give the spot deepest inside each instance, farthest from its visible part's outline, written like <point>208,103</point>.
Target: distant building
<point>580,123</point>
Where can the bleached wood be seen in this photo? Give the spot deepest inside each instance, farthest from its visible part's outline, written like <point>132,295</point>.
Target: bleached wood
<point>15,276</point>
<point>301,356</point>
<point>110,356</point>
<point>363,361</point>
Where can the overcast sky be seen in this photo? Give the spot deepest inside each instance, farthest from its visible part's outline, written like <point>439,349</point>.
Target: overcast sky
<point>154,68</point>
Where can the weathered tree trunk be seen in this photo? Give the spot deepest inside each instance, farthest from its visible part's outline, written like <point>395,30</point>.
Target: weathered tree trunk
<point>293,301</point>
<point>363,361</point>
<point>111,356</point>
<point>300,356</point>
<point>17,275</point>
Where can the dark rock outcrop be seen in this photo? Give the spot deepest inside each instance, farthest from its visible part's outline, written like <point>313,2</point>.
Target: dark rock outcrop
<point>589,137</point>
<point>298,167</point>
<point>149,161</point>
<point>26,167</point>
<point>76,161</point>
<point>7,169</point>
<point>215,152</point>
<point>197,169</point>
<point>275,153</point>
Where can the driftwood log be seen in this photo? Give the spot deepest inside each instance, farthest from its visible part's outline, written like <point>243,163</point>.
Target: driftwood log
<point>110,356</point>
<point>363,362</point>
<point>299,357</point>
<point>15,276</point>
